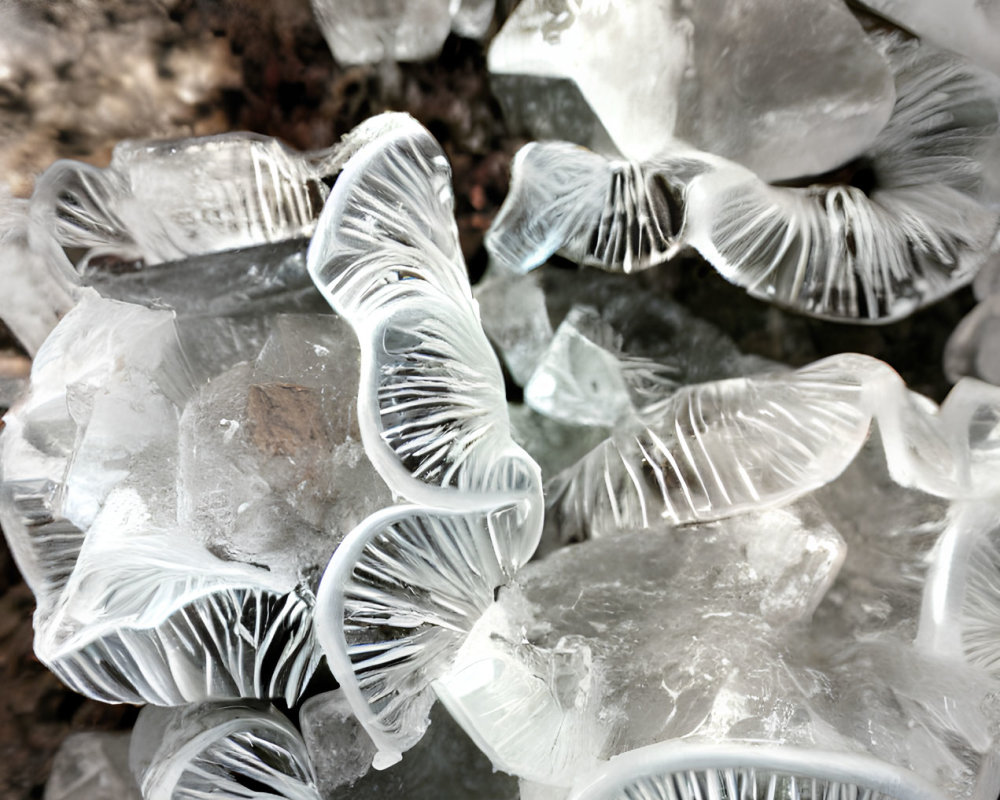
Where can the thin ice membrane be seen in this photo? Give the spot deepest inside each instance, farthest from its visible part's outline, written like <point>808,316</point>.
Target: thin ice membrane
<point>431,406</point>
<point>233,750</point>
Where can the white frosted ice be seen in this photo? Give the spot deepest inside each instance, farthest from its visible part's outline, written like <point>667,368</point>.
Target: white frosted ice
<point>370,31</point>
<point>232,750</point>
<point>726,77</point>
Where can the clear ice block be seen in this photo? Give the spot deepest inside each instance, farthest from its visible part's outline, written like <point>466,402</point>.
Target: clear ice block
<point>370,31</point>
<point>228,750</point>
<point>92,766</point>
<point>606,646</point>
<point>724,76</point>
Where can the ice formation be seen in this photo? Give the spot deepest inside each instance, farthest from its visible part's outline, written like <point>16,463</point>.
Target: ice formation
<point>832,249</point>
<point>147,208</point>
<point>370,31</point>
<point>222,749</point>
<point>724,76</point>
<point>754,581</point>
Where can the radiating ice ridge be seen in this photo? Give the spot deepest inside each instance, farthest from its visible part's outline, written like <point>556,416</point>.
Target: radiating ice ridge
<point>836,249</point>
<point>401,594</point>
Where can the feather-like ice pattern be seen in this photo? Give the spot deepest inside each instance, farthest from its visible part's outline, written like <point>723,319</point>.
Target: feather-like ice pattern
<point>714,449</point>
<point>130,609</point>
<point>230,751</point>
<point>399,598</point>
<point>161,201</point>
<point>747,772</point>
<point>614,214</point>
<point>834,251</point>
<point>961,604</point>
<point>431,404</point>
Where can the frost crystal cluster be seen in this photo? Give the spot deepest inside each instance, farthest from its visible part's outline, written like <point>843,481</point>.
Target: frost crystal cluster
<point>348,526</point>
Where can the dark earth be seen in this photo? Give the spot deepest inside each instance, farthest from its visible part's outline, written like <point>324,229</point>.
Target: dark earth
<point>274,75</point>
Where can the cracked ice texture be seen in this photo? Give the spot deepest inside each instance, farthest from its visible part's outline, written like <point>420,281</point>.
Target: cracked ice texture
<point>370,31</point>
<point>602,648</point>
<point>726,77</point>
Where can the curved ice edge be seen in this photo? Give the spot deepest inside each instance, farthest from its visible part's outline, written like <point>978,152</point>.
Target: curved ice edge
<point>608,782</point>
<point>330,608</point>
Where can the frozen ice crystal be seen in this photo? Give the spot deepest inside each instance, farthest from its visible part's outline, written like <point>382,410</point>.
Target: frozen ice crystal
<point>92,766</point>
<point>726,77</point>
<point>370,31</point>
<point>968,27</point>
<point>131,606</point>
<point>339,749</point>
<point>585,379</point>
<point>271,467</point>
<point>598,650</point>
<point>232,750</point>
<point>431,407</point>
<point>165,200</point>
<point>832,249</point>
<point>397,601</point>
<point>606,646</point>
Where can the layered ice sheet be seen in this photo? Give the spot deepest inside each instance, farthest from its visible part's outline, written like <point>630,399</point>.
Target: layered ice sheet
<point>724,76</point>
<point>431,406</point>
<point>371,31</point>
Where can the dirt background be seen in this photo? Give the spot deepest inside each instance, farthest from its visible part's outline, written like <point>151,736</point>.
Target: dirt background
<point>96,71</point>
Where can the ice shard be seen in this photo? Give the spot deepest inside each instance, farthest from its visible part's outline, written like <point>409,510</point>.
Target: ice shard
<point>371,31</point>
<point>725,77</point>
<point>226,750</point>
<point>606,646</point>
<point>92,766</point>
